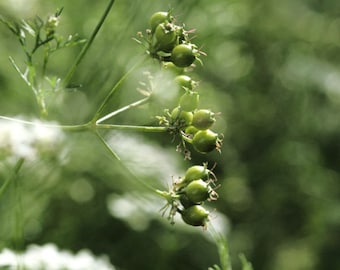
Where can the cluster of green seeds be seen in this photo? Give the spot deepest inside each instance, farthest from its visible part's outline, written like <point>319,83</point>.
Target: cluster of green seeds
<point>172,45</point>
<point>189,194</point>
<point>194,189</point>
<point>170,42</point>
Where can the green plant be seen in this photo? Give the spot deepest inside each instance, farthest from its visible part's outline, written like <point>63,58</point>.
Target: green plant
<point>166,42</point>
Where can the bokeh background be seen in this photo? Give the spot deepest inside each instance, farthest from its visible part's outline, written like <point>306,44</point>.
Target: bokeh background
<point>272,70</point>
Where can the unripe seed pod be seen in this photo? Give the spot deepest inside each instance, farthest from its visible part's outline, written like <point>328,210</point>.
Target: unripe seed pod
<point>172,67</point>
<point>191,130</point>
<point>189,101</point>
<point>203,119</point>
<point>196,172</point>
<point>184,81</point>
<point>165,35</point>
<point>183,117</point>
<point>183,55</point>
<point>158,18</point>
<point>186,203</point>
<point>197,191</point>
<point>205,141</point>
<point>195,215</point>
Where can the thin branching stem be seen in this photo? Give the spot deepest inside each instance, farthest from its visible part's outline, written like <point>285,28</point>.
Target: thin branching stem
<point>114,88</point>
<point>88,126</point>
<point>88,44</point>
<point>123,109</point>
<point>132,128</point>
<point>81,127</point>
<point>222,247</point>
<point>114,155</point>
<point>14,174</point>
<point>107,146</point>
<point>23,75</point>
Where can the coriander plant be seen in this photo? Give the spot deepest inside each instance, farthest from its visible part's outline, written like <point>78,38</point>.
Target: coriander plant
<point>186,122</point>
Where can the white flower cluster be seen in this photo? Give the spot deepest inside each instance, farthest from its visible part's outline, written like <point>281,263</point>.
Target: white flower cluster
<point>49,257</point>
<point>146,158</point>
<point>21,6</point>
<point>29,140</point>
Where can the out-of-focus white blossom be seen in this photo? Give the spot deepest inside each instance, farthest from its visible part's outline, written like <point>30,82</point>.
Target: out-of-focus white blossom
<point>49,257</point>
<point>22,6</point>
<point>136,209</point>
<point>29,141</point>
<point>146,159</point>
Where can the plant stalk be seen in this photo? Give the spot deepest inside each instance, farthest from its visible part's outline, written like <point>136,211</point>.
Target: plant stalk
<point>87,45</point>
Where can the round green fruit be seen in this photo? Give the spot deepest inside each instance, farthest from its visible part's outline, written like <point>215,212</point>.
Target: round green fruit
<point>197,191</point>
<point>184,81</point>
<point>203,119</point>
<point>186,203</point>
<point>184,117</point>
<point>165,34</point>
<point>205,141</point>
<point>190,130</point>
<point>183,55</point>
<point>158,18</point>
<point>195,215</point>
<point>196,172</point>
<point>189,101</point>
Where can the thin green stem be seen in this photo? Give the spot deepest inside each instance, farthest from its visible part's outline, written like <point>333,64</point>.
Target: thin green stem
<point>107,146</point>
<point>114,88</point>
<point>14,174</point>
<point>23,76</point>
<point>88,126</point>
<point>123,109</point>
<point>29,78</point>
<point>88,44</point>
<point>132,128</point>
<point>114,155</point>
<point>223,248</point>
<point>82,127</point>
<point>19,216</point>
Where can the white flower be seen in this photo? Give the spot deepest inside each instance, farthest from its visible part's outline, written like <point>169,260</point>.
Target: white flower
<point>49,257</point>
<point>144,158</point>
<point>21,6</point>
<point>28,140</point>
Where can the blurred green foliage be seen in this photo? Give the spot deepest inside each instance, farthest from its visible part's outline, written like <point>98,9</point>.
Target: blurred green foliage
<point>272,70</point>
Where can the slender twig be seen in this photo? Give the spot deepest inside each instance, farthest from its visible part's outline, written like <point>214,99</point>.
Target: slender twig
<point>113,90</point>
<point>88,44</point>
<point>23,76</point>
<point>81,127</point>
<point>132,128</point>
<point>123,109</point>
<point>223,248</point>
<point>15,172</point>
<point>88,126</point>
<point>107,146</point>
<point>18,229</point>
<point>113,153</point>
